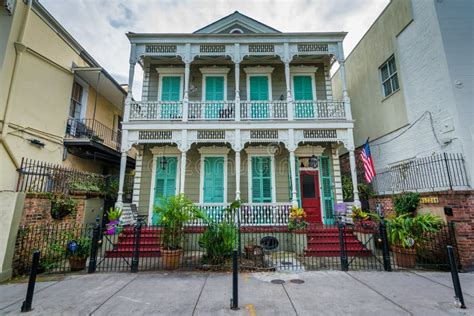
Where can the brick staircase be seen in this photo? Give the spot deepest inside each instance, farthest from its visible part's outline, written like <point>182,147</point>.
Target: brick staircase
<point>150,245</point>
<point>324,242</point>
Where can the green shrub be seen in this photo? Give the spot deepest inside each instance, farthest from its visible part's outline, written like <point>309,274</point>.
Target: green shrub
<point>219,240</point>
<point>62,206</point>
<point>410,231</point>
<point>347,190</point>
<point>406,203</point>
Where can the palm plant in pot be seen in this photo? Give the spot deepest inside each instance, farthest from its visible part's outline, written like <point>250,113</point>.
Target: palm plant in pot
<point>407,232</point>
<point>173,213</point>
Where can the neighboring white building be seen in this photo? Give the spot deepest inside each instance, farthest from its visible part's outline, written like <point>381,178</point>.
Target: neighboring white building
<point>411,81</point>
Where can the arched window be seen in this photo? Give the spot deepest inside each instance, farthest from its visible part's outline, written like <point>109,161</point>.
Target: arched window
<point>236,31</point>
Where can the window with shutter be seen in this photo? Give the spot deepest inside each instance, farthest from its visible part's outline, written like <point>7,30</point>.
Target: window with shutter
<point>170,91</point>
<point>259,92</point>
<point>326,188</point>
<point>165,181</point>
<point>213,186</point>
<point>261,180</point>
<point>214,92</point>
<point>303,94</point>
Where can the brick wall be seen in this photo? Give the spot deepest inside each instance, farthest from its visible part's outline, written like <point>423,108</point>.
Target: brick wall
<point>462,203</point>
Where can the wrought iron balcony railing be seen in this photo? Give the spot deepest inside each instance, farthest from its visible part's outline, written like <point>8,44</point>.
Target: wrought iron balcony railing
<point>94,131</point>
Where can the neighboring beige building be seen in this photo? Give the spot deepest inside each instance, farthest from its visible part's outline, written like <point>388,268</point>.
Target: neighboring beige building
<point>239,111</point>
<point>411,82</point>
<point>57,105</point>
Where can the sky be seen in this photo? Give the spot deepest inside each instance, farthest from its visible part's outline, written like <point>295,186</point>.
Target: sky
<point>100,25</point>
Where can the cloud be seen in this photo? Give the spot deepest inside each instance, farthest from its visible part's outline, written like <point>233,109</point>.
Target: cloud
<point>100,26</point>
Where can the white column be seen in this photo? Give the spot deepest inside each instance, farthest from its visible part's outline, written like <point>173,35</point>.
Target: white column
<point>123,166</point>
<point>342,73</point>
<point>137,177</point>
<point>131,74</point>
<point>237,175</point>
<point>182,173</point>
<point>237,91</point>
<point>352,163</point>
<point>289,98</point>
<point>337,174</point>
<point>294,198</point>
<point>187,66</point>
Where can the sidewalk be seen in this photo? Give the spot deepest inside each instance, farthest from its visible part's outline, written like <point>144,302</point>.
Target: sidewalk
<point>186,293</point>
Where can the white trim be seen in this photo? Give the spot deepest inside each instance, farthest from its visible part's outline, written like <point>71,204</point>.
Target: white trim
<point>301,71</point>
<point>213,151</point>
<point>260,151</point>
<point>168,151</point>
<point>259,71</point>
<point>308,151</point>
<point>236,31</point>
<point>213,72</point>
<point>170,72</point>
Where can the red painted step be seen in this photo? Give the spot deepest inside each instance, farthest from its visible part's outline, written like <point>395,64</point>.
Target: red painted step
<point>336,253</point>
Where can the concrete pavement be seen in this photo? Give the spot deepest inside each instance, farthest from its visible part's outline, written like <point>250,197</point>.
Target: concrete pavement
<point>194,293</point>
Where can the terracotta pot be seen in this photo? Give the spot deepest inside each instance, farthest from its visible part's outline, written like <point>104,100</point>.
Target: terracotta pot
<point>366,227</point>
<point>405,257</point>
<point>77,263</point>
<point>171,258</point>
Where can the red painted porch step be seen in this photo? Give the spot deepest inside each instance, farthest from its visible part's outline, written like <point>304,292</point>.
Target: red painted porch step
<point>150,243</point>
<point>324,242</point>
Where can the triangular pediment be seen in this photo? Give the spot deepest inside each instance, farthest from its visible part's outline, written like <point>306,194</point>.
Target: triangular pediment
<point>236,23</point>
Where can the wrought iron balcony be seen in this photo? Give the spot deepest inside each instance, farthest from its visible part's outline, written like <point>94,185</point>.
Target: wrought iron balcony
<point>95,131</point>
<point>226,110</point>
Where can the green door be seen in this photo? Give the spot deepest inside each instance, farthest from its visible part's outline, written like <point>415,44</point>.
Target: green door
<point>259,92</point>
<point>165,181</point>
<point>261,180</point>
<point>303,90</point>
<point>326,188</point>
<point>214,92</point>
<point>170,91</point>
<point>213,186</point>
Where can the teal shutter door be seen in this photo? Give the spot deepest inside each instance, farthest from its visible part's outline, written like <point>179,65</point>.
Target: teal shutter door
<point>214,92</point>
<point>303,90</point>
<point>327,196</point>
<point>259,92</point>
<point>261,180</point>
<point>165,181</point>
<point>213,180</point>
<point>170,91</point>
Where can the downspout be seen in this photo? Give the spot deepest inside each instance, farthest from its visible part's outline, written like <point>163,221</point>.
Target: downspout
<point>20,47</point>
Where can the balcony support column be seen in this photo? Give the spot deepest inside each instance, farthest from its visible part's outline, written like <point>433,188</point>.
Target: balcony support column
<point>342,73</point>
<point>236,58</point>
<point>123,167</point>
<point>187,67</point>
<point>289,97</point>
<point>237,147</point>
<point>131,73</point>
<point>291,149</point>
<point>183,147</point>
<point>352,162</point>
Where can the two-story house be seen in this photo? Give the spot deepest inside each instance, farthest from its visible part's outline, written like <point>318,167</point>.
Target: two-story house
<point>238,111</point>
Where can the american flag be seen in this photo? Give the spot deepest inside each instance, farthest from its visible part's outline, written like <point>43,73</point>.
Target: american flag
<point>368,162</point>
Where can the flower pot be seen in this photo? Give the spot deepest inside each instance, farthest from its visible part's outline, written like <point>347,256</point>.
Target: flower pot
<point>171,258</point>
<point>77,263</point>
<point>112,227</point>
<point>405,257</point>
<point>366,227</point>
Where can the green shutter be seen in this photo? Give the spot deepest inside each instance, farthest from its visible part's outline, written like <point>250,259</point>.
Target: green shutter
<point>259,91</point>
<point>303,90</point>
<point>165,181</point>
<point>213,186</point>
<point>298,186</point>
<point>170,91</point>
<point>214,92</point>
<point>261,180</point>
<point>327,195</point>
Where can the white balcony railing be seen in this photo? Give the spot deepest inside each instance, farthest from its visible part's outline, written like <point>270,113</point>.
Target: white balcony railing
<point>226,111</point>
<point>211,111</point>
<point>251,214</point>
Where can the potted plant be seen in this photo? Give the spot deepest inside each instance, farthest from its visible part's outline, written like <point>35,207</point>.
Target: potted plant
<point>364,222</point>
<point>114,220</point>
<point>297,220</point>
<point>173,213</point>
<point>406,203</point>
<point>77,252</point>
<point>62,206</point>
<point>406,233</point>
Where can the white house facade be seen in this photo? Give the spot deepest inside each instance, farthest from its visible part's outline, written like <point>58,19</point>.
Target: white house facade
<point>239,111</point>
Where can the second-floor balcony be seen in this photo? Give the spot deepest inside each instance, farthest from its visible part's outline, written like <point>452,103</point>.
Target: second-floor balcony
<point>93,130</point>
<point>246,111</point>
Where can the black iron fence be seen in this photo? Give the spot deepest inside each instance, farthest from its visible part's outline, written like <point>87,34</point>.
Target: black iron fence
<point>261,248</point>
<point>438,172</point>
<point>95,131</point>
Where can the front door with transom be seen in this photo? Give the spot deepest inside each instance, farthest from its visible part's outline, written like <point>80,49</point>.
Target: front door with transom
<point>310,196</point>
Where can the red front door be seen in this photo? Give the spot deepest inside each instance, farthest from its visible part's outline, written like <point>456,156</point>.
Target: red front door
<point>310,197</point>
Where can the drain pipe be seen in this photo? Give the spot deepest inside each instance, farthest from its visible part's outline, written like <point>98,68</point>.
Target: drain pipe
<point>20,48</point>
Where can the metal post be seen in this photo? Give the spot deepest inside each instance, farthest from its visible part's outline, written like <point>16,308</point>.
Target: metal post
<point>342,245</point>
<point>385,248</point>
<point>447,170</point>
<point>234,301</point>
<point>455,276</point>
<point>136,248</point>
<point>26,306</point>
<point>94,247</point>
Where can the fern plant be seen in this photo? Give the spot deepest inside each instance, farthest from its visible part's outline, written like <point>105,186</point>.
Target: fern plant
<point>406,231</point>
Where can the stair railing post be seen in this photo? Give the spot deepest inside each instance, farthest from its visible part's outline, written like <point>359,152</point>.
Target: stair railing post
<point>385,247</point>
<point>136,247</point>
<point>94,248</point>
<point>342,246</point>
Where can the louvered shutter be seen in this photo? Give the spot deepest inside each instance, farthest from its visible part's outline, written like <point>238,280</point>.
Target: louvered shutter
<point>170,91</point>
<point>259,91</point>
<point>327,194</point>
<point>303,90</point>
<point>213,180</point>
<point>261,180</point>
<point>214,92</point>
